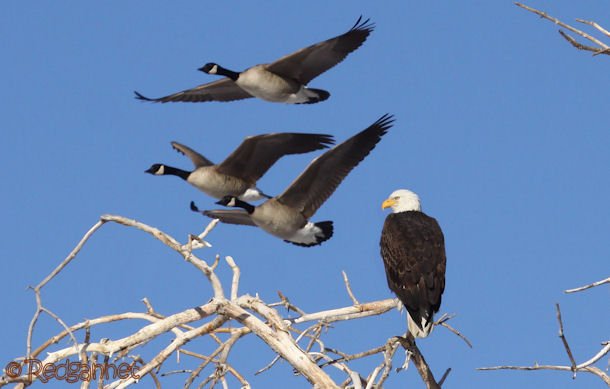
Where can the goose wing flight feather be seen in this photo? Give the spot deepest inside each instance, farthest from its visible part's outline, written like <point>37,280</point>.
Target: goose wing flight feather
<point>306,64</point>
<point>320,179</point>
<point>230,216</point>
<point>303,65</point>
<point>221,90</point>
<point>197,159</point>
<point>257,154</point>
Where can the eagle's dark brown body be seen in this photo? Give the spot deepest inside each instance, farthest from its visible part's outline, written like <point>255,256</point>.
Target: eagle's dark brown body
<point>413,252</point>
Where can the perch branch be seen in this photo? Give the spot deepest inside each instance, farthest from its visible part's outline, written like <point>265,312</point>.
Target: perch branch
<point>423,369</point>
<point>348,313</point>
<point>276,331</point>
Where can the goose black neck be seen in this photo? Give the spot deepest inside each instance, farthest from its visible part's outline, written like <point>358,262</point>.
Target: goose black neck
<point>227,73</point>
<point>168,170</point>
<point>242,204</point>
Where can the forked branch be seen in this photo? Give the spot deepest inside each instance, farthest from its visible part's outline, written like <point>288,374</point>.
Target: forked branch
<point>599,48</point>
<point>586,367</point>
<point>215,320</point>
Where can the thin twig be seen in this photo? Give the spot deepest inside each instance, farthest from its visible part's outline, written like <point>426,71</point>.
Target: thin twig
<point>49,277</point>
<point>172,372</point>
<point>349,288</point>
<point>590,369</point>
<point>63,324</point>
<point>350,357</point>
<point>268,366</point>
<point>195,373</point>
<point>580,46</point>
<point>565,342</point>
<point>444,377</point>
<point>442,321</point>
<point>596,26</point>
<point>605,350</point>
<point>286,303</point>
<point>597,283</point>
<point>153,375</point>
<point>236,274</point>
<point>315,338</point>
<point>391,346</point>
<point>354,376</point>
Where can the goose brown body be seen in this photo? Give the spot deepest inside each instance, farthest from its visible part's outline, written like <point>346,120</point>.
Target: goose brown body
<point>287,215</point>
<point>284,80</point>
<point>238,173</point>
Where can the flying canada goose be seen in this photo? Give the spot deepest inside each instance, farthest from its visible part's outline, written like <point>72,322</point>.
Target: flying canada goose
<point>282,81</point>
<point>238,173</point>
<point>287,215</point>
<point>413,253</point>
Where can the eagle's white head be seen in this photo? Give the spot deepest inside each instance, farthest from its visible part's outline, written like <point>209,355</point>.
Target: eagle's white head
<point>402,200</point>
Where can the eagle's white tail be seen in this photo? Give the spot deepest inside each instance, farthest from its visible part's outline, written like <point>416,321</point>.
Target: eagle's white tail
<point>423,329</point>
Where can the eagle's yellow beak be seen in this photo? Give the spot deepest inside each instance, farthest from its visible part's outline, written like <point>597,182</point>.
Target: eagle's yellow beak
<point>388,203</point>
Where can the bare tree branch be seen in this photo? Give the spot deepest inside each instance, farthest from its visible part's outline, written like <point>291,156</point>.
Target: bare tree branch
<point>349,288</point>
<point>254,316</point>
<point>278,339</point>
<point>442,321</point>
<point>565,342</point>
<point>408,342</point>
<point>586,366</point>
<point>286,303</point>
<point>602,47</point>
<point>579,289</point>
<point>590,369</point>
<point>236,274</point>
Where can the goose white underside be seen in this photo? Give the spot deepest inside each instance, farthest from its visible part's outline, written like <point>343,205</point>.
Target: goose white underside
<point>303,95</point>
<point>309,234</point>
<point>268,86</point>
<point>252,194</point>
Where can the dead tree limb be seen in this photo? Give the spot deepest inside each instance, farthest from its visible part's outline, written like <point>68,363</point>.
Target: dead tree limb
<point>574,367</point>
<point>600,48</point>
<point>217,320</point>
<point>418,359</point>
<point>593,285</point>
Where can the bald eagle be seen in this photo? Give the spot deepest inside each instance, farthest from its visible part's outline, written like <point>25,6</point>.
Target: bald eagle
<point>413,253</point>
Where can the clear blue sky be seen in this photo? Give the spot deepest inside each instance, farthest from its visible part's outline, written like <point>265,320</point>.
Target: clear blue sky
<point>501,127</point>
